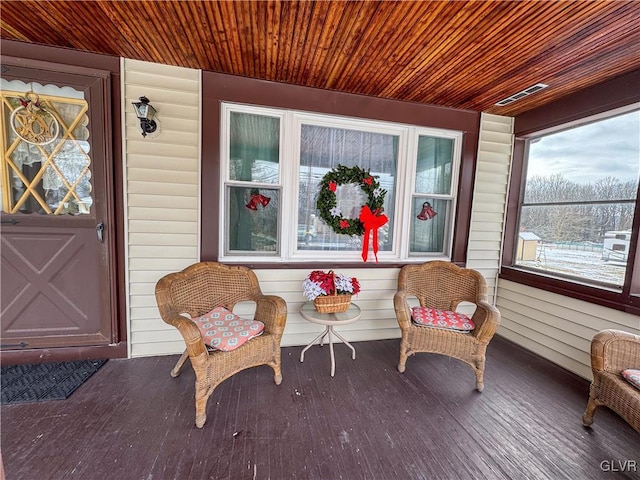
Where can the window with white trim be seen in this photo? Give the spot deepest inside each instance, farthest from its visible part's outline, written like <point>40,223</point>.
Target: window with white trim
<point>273,161</point>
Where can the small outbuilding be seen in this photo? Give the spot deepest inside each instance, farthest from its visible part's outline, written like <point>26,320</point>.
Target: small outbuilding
<point>527,246</point>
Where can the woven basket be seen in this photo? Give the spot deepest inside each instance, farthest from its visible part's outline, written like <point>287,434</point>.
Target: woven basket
<point>333,303</point>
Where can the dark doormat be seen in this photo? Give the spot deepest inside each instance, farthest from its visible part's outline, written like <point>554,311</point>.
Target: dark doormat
<point>45,381</point>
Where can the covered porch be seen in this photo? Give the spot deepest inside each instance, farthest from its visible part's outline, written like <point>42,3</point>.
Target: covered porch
<point>430,66</point>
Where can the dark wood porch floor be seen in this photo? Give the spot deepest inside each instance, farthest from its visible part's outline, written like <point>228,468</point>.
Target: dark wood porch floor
<point>131,420</point>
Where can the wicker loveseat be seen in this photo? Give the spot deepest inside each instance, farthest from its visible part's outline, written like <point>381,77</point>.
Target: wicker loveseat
<point>613,351</point>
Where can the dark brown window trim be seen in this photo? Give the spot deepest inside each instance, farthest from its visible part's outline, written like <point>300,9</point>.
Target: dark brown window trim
<point>218,88</point>
<point>600,296</point>
<point>616,93</point>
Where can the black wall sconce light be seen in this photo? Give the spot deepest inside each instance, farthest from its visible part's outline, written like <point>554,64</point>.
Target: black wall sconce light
<point>145,113</point>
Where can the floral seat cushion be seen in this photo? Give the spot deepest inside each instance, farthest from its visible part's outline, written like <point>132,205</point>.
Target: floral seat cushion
<point>432,317</point>
<point>632,376</point>
<point>223,330</point>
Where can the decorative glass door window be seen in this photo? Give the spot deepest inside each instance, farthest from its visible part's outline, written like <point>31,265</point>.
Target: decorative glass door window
<point>46,154</point>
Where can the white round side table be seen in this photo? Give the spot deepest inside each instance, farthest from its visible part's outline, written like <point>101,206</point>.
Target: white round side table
<point>329,320</point>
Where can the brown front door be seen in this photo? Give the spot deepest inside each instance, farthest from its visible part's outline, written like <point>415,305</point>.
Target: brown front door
<point>56,238</point>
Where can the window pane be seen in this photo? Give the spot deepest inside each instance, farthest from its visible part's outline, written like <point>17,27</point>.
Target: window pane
<point>434,165</point>
<point>253,220</point>
<point>579,201</point>
<point>323,149</point>
<point>428,225</point>
<point>47,175</point>
<point>254,149</point>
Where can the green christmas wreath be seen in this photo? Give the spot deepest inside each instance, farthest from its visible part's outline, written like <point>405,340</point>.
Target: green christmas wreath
<point>327,202</point>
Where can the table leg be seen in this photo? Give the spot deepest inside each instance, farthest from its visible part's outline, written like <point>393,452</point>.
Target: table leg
<point>326,330</point>
<point>312,342</point>
<point>333,358</point>
<point>353,350</point>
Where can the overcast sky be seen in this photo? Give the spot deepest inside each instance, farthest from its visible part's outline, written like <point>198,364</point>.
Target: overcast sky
<point>609,148</point>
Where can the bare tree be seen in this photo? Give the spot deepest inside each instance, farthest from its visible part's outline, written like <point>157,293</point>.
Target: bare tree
<point>586,222</point>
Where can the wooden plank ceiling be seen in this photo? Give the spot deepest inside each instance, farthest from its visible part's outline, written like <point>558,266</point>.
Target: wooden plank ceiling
<point>457,54</point>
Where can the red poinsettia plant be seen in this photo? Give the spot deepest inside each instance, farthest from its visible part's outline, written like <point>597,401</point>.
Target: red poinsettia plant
<point>319,283</point>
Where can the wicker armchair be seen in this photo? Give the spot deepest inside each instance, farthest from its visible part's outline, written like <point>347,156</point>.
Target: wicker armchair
<point>613,351</point>
<point>197,290</point>
<point>443,285</point>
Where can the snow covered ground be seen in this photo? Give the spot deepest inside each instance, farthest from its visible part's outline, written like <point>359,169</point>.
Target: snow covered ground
<point>585,264</point>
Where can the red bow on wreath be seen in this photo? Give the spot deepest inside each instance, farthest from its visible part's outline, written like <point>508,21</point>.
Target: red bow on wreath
<point>371,221</point>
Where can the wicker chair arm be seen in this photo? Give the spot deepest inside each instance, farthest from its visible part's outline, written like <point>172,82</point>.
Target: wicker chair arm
<point>169,314</point>
<point>272,311</point>
<point>189,331</point>
<point>615,350</point>
<point>487,320</point>
<point>401,306</point>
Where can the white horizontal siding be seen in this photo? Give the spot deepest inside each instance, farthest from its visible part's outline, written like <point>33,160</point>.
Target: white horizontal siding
<point>151,337</point>
<point>557,327</point>
<point>153,227</point>
<point>490,197</point>
<point>152,201</point>
<point>151,187</point>
<point>175,164</point>
<point>162,195</point>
